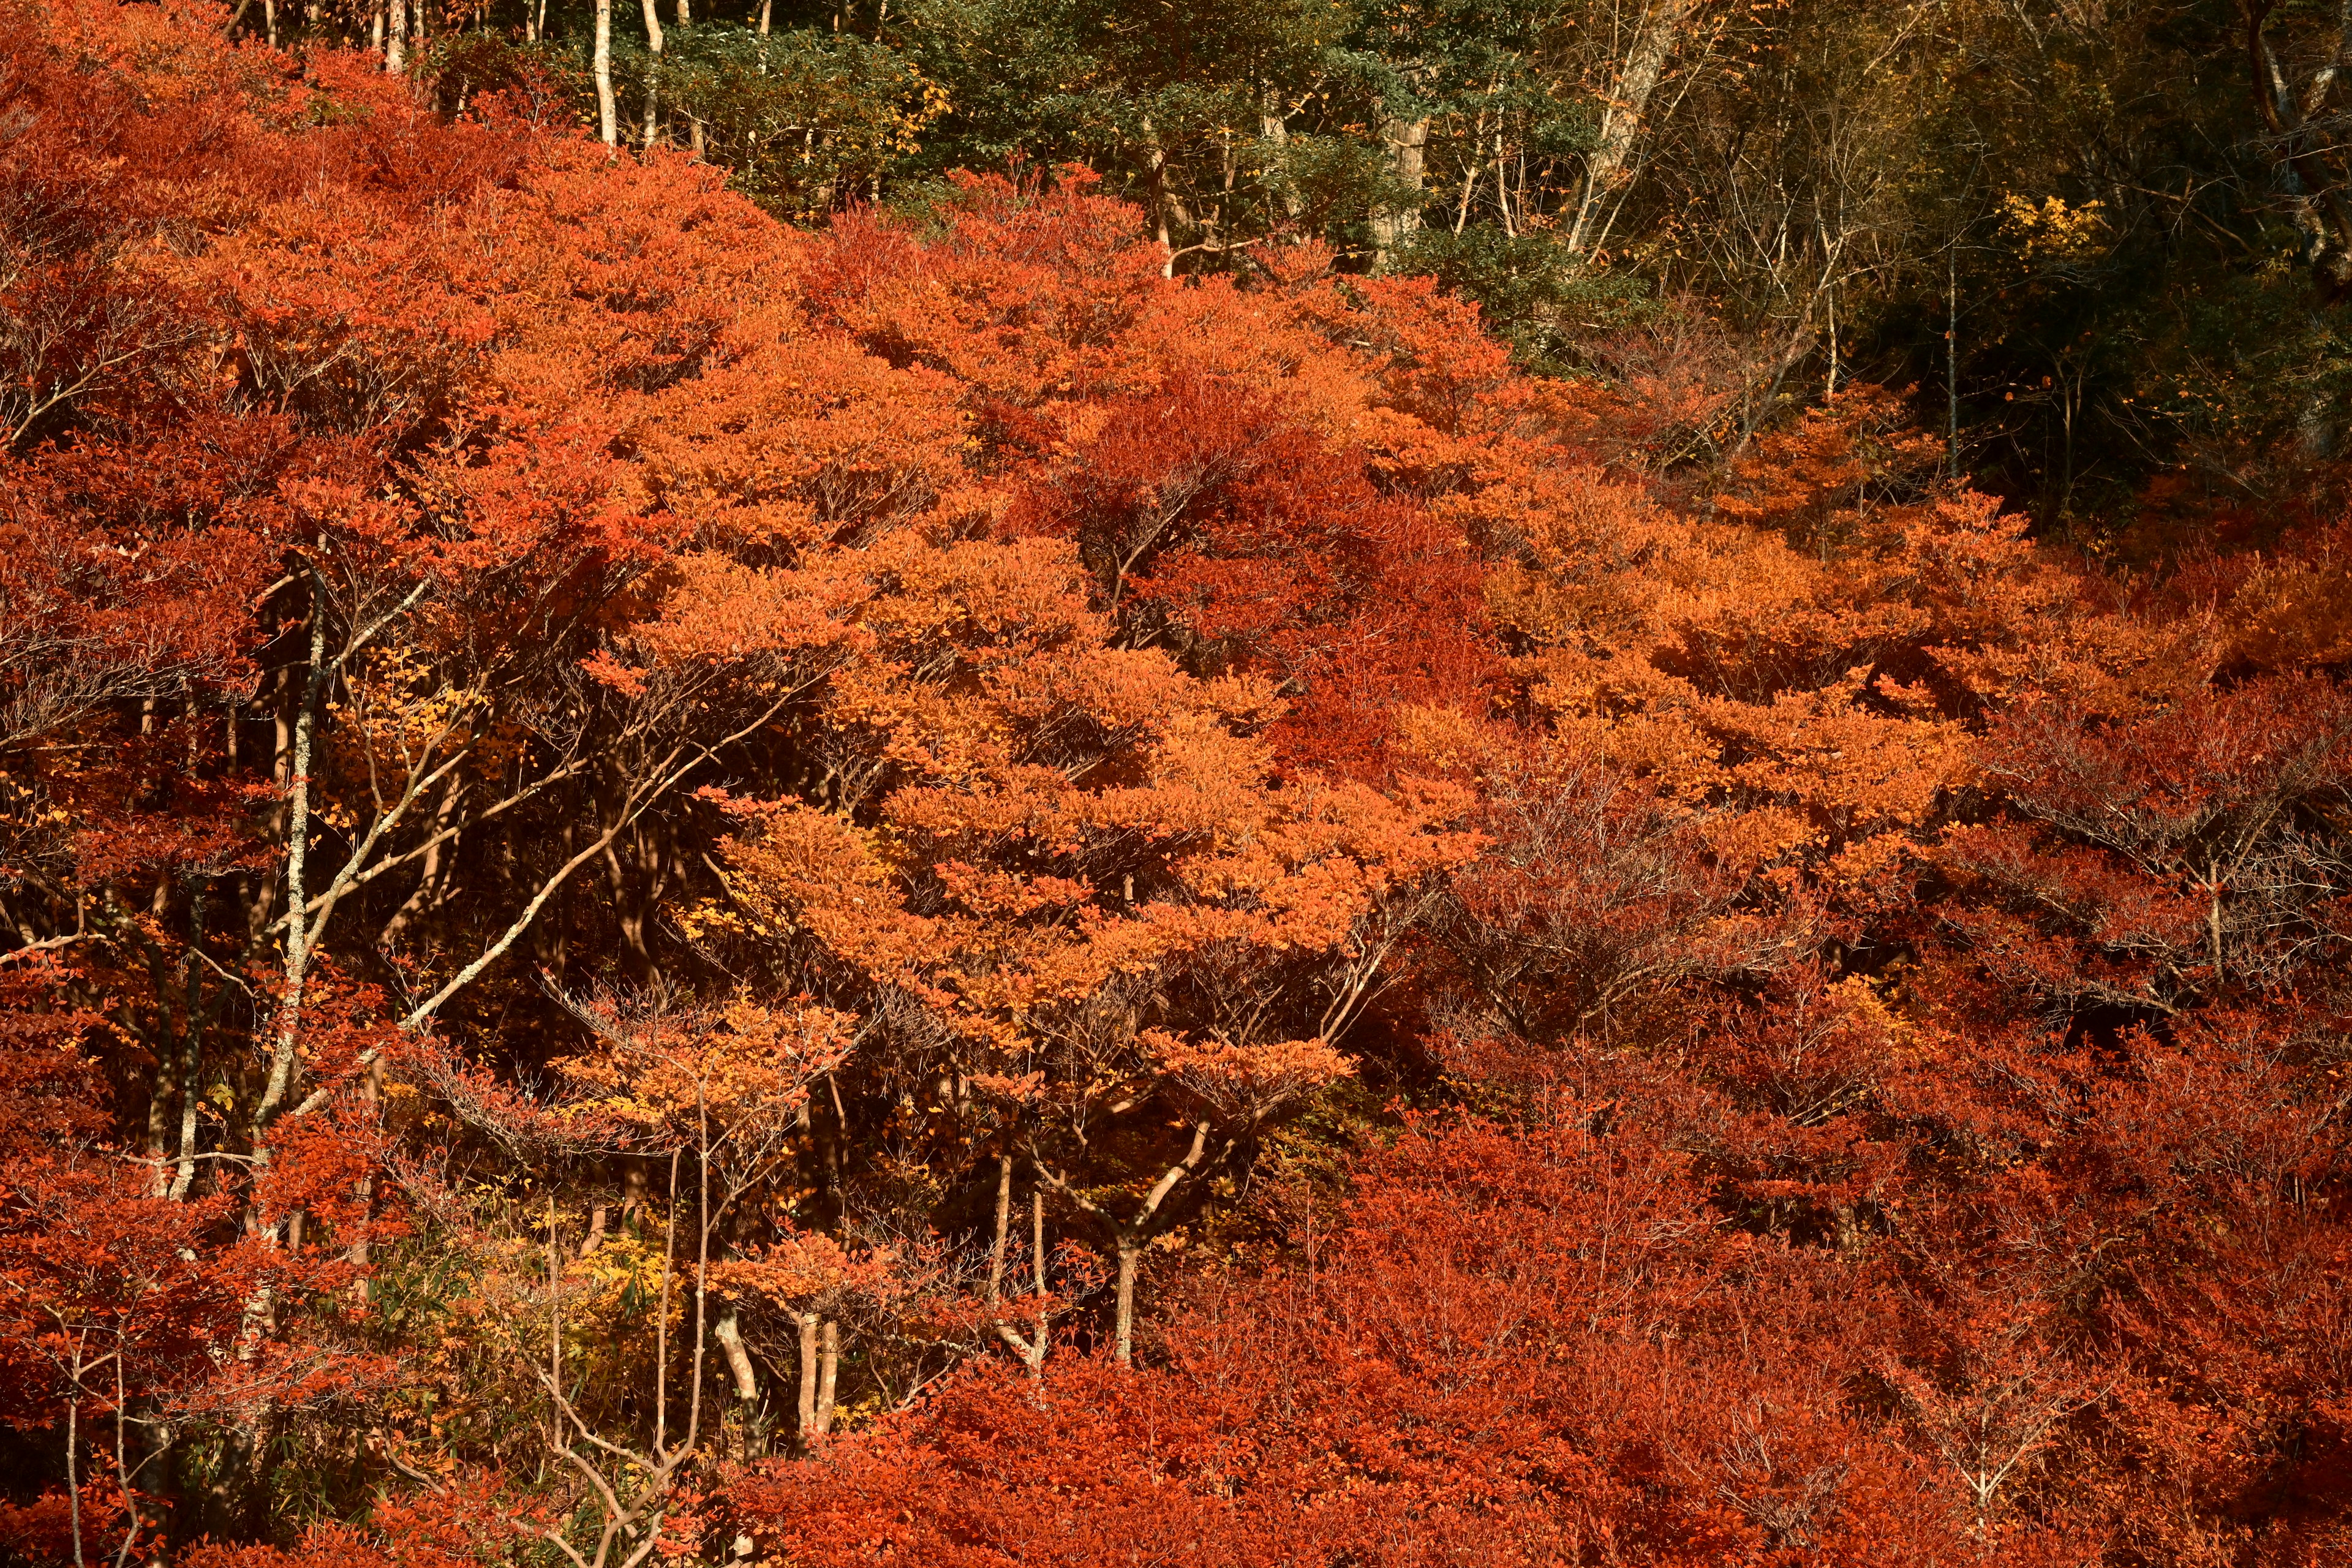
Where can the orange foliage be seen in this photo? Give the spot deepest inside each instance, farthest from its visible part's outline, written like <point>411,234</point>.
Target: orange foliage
<point>1538,1014</point>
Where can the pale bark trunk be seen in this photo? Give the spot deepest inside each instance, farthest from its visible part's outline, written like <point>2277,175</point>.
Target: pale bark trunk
<point>1408,143</point>
<point>728,1332</point>
<point>1275,131</point>
<point>1037,1339</point>
<point>1620,123</point>
<point>297,819</point>
<point>432,882</point>
<point>2213,914</point>
<point>808,1381</point>
<point>653,66</point>
<point>1130,1258</point>
<point>1155,162</point>
<point>1131,1234</point>
<point>828,1375</point>
<point>608,118</point>
<point>180,1085</point>
<point>1031,1350</point>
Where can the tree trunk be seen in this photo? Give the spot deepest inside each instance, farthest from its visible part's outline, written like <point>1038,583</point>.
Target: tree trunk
<point>728,1332</point>
<point>653,67</point>
<point>608,118</point>
<point>1032,1348</point>
<point>1155,164</point>
<point>2213,914</point>
<point>828,1375</point>
<point>2320,208</point>
<point>1130,1234</point>
<point>1275,131</point>
<point>808,1431</point>
<point>1130,1258</point>
<point>1620,123</point>
<point>1408,143</point>
<point>1037,1339</point>
<point>288,1022</point>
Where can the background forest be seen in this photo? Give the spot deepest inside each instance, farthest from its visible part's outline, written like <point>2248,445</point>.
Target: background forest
<point>1027,783</point>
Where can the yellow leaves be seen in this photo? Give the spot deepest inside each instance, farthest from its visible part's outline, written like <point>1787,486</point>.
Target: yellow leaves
<point>2051,229</point>
<point>1860,1002</point>
<point>707,917</point>
<point>396,707</point>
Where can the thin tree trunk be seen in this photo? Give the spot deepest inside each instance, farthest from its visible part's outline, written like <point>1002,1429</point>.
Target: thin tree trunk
<point>1003,1226</point>
<point>1155,163</point>
<point>177,1082</point>
<point>1032,1348</point>
<point>1275,131</point>
<point>1503,182</point>
<point>433,878</point>
<point>1470,171</point>
<point>1038,1342</point>
<point>1952,362</point>
<point>608,115</point>
<point>1408,143</point>
<point>298,822</point>
<point>1130,1258</point>
<point>2213,914</point>
<point>73,1441</point>
<point>1620,123</point>
<point>808,1432</point>
<point>1828,385</point>
<point>653,68</point>
<point>362,1252</point>
<point>728,1332</point>
<point>828,1374</point>
<point>1130,1234</point>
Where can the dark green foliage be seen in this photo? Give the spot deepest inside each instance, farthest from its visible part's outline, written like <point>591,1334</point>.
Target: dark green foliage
<point>1534,291</point>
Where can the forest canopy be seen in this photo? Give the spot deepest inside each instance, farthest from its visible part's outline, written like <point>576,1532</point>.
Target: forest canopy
<point>1293,785</point>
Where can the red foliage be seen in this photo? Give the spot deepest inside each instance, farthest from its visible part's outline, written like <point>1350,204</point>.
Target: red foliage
<point>591,786</point>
